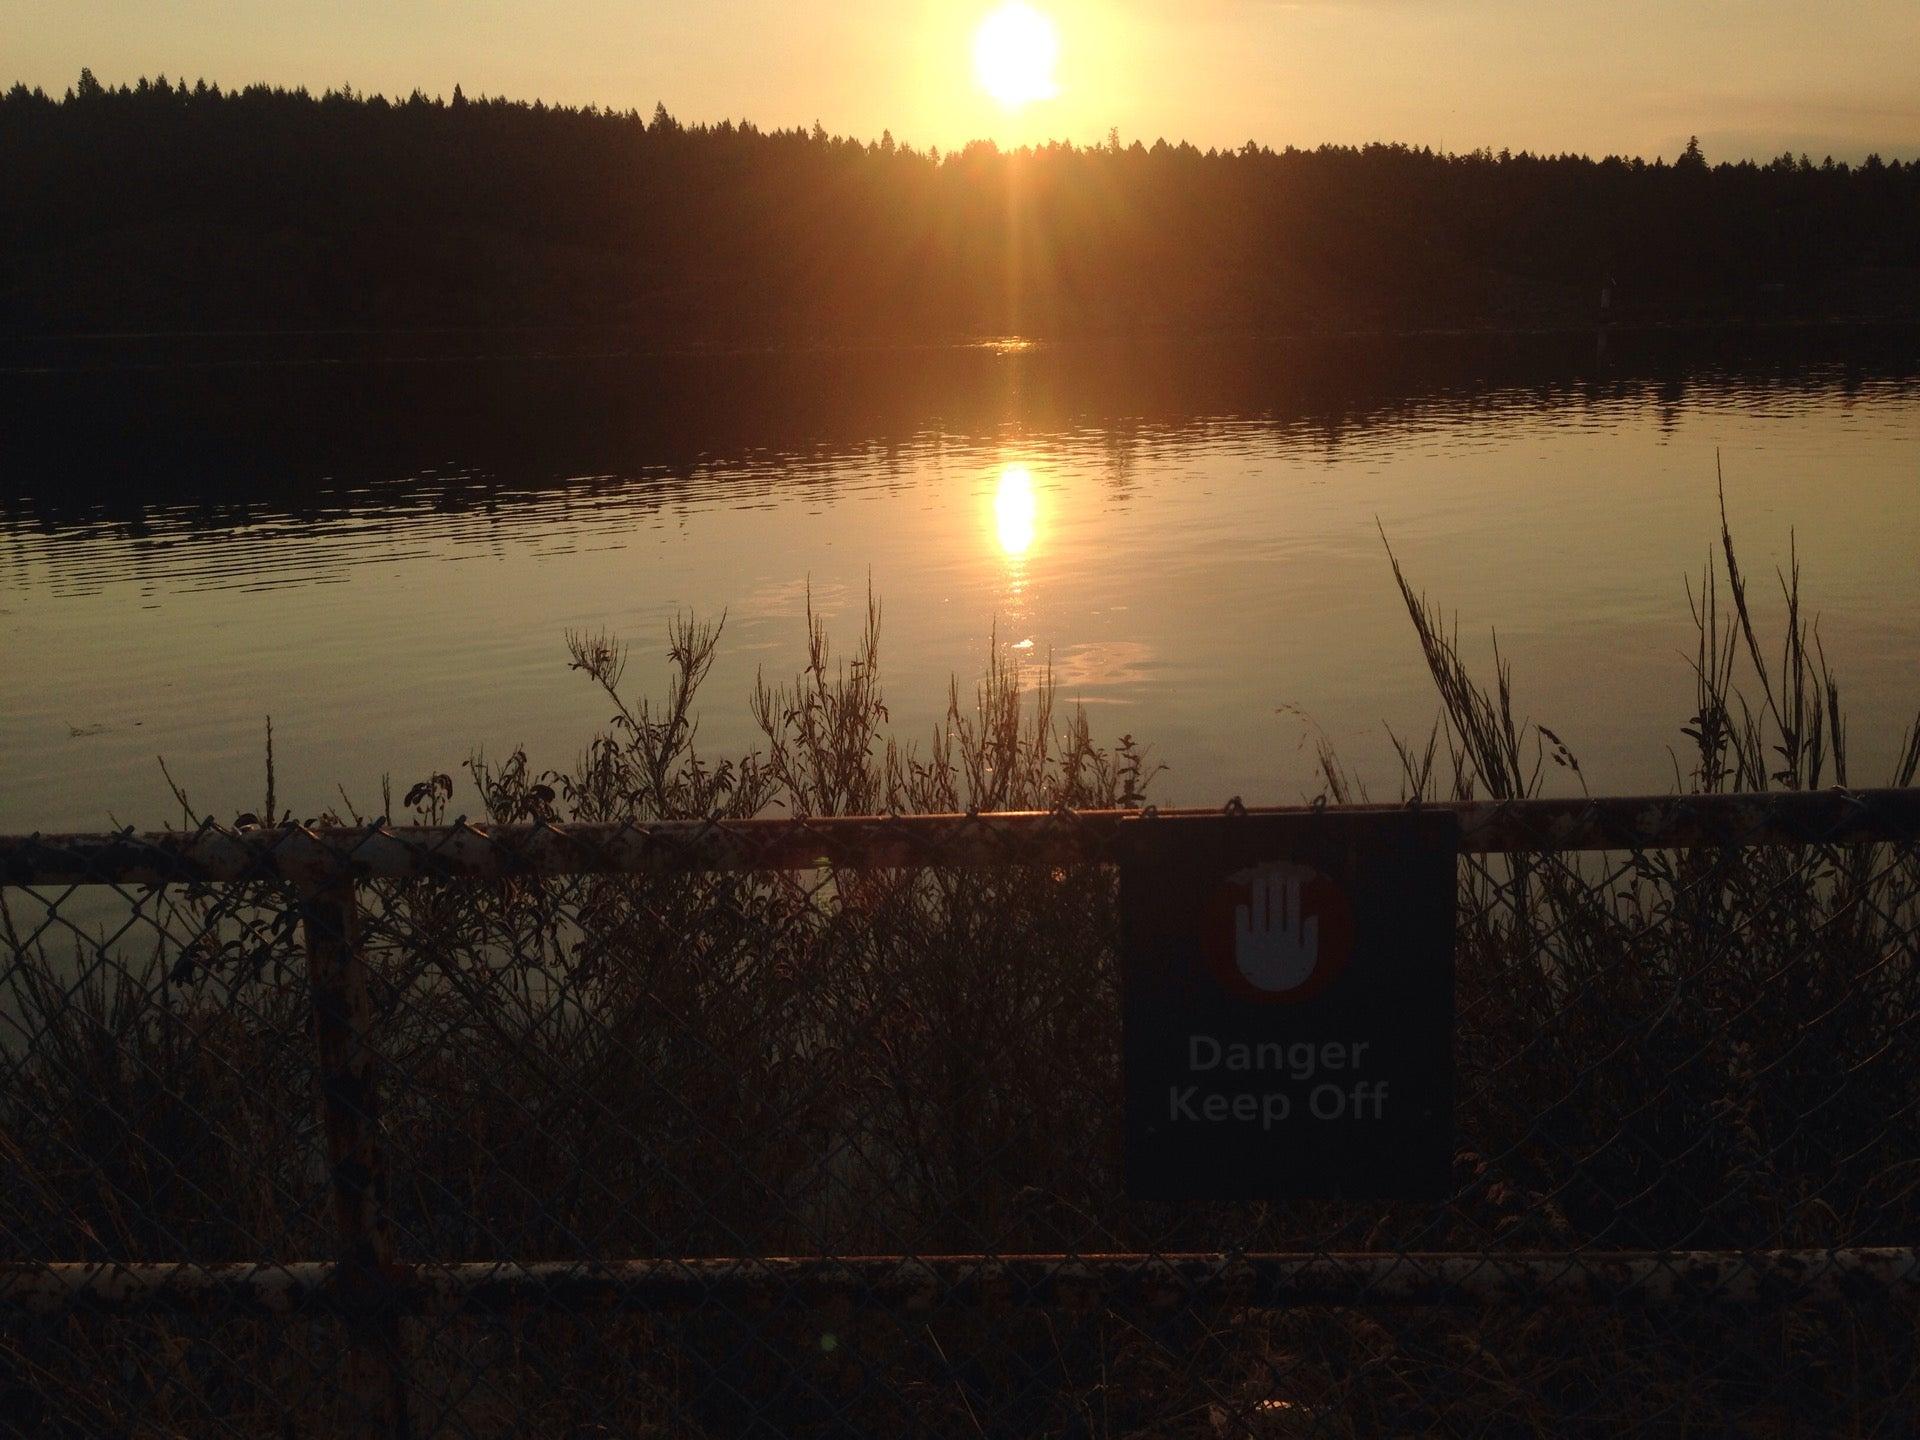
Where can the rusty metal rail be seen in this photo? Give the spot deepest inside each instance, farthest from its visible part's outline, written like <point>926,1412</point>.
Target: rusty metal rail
<point>928,1282</point>
<point>319,857</point>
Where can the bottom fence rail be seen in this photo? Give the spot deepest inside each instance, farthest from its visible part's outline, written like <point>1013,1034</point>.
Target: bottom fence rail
<point>928,1282</point>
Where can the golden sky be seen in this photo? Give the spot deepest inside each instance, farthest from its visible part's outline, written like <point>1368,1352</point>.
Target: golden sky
<point>1750,77</point>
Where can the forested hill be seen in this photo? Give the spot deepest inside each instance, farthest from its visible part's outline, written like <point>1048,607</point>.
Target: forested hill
<point>171,207</point>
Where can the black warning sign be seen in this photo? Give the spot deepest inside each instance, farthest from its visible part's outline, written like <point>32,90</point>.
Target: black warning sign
<point>1288,1026</point>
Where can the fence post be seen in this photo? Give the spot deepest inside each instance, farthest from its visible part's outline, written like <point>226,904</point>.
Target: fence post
<point>376,1374</point>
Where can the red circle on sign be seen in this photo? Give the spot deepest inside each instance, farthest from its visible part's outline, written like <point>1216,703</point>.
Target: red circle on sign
<point>1277,934</point>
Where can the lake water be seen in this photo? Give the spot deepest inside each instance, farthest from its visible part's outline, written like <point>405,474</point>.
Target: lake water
<point>383,554</point>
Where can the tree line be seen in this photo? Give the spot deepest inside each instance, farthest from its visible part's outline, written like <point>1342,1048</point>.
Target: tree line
<point>165,205</point>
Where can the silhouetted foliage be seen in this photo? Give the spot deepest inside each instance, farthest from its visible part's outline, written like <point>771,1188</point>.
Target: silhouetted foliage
<point>173,206</point>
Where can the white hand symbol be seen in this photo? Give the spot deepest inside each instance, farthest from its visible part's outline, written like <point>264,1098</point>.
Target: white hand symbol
<point>1275,946</point>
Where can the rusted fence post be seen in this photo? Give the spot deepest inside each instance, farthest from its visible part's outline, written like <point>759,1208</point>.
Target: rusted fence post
<point>376,1372</point>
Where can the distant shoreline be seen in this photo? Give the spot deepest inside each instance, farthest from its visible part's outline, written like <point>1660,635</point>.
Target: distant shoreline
<point>49,352</point>
<point>166,216</point>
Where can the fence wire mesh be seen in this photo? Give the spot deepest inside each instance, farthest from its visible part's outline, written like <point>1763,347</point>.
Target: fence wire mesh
<point>814,1128</point>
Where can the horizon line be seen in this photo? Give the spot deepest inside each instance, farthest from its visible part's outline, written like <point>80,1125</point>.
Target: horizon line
<point>1892,156</point>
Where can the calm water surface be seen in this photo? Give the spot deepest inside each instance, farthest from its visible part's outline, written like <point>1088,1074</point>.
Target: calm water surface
<point>384,557</point>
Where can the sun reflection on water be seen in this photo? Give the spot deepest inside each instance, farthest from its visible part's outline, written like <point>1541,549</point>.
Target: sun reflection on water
<point>1015,510</point>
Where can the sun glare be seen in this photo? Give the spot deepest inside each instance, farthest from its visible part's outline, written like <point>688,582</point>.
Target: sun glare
<point>1014,54</point>
<point>1015,510</point>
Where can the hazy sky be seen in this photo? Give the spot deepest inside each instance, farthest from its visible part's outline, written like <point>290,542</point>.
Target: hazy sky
<point>1750,77</point>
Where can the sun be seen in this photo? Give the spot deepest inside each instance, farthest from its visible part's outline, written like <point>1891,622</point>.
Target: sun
<point>1014,53</point>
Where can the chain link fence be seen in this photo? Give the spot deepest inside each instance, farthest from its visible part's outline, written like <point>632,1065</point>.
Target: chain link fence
<point>813,1128</point>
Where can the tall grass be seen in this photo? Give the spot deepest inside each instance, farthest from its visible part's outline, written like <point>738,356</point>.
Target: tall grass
<point>1692,1049</point>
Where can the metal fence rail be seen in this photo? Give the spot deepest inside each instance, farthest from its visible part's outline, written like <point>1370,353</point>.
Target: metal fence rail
<point>807,1126</point>
<point>928,1282</point>
<point>300,855</point>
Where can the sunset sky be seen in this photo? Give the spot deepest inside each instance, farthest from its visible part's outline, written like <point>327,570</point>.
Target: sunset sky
<point>1750,77</point>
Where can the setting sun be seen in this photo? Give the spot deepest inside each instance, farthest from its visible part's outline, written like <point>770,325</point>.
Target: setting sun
<point>1014,54</point>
